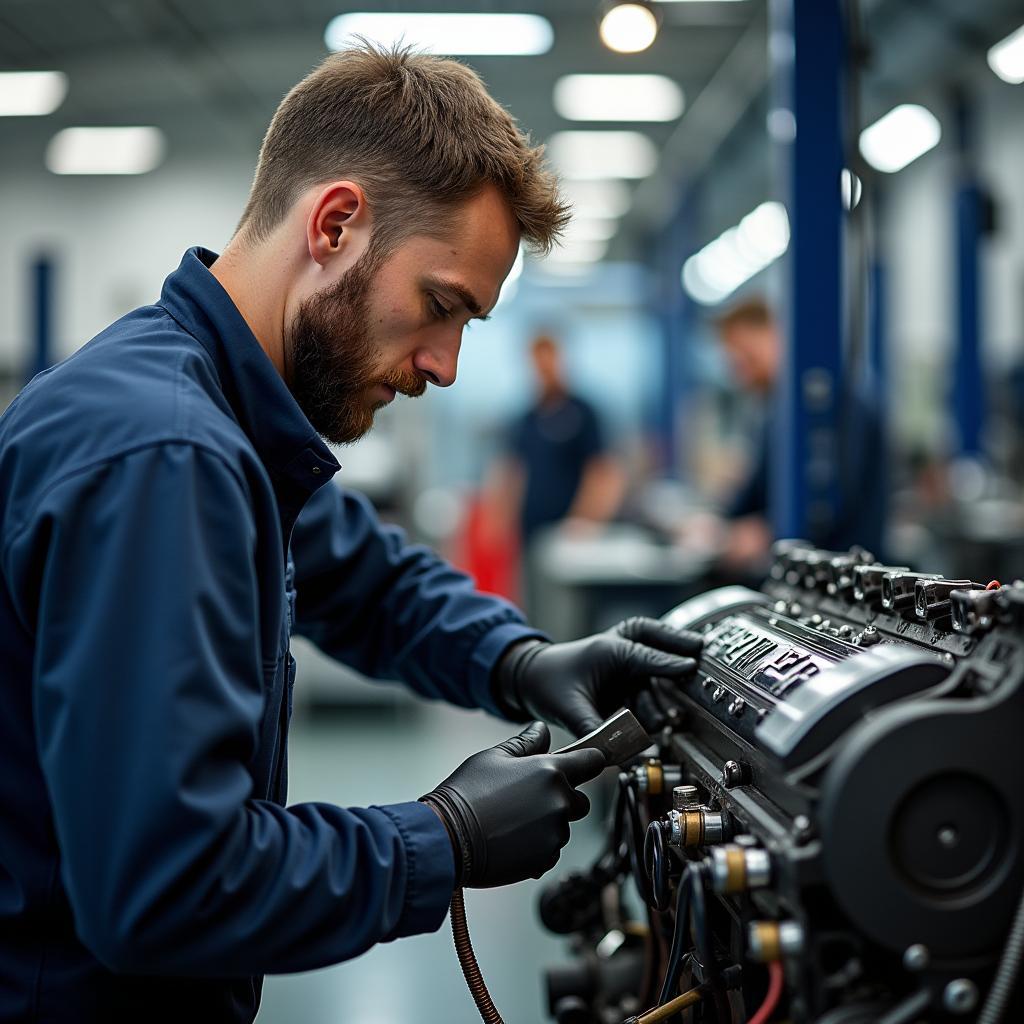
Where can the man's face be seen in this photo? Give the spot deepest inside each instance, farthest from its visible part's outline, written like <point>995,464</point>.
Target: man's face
<point>753,353</point>
<point>393,323</point>
<point>548,366</point>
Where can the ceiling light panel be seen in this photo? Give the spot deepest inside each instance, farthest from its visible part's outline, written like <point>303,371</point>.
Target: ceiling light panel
<point>130,150</point>
<point>597,198</point>
<point>450,34</point>
<point>618,98</point>
<point>716,271</point>
<point>31,93</point>
<point>596,155</point>
<point>582,251</point>
<point>1006,58</point>
<point>589,229</point>
<point>900,137</point>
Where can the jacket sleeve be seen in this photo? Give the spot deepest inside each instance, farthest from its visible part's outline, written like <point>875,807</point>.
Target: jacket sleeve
<point>395,610</point>
<point>148,697</point>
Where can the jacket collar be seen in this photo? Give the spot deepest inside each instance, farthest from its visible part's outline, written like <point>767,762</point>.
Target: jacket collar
<point>283,437</point>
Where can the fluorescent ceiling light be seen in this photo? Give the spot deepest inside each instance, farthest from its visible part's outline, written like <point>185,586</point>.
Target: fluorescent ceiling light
<point>597,155</point>
<point>589,229</point>
<point>760,238</point>
<point>618,98</point>
<point>781,125</point>
<point>629,28</point>
<point>597,198</point>
<point>1006,58</point>
<point>453,34</point>
<point>31,93</point>
<point>900,137</point>
<point>578,252</point>
<point>133,150</point>
<point>564,274</point>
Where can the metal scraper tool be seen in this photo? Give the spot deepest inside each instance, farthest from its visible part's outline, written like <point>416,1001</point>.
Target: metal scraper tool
<point>619,738</point>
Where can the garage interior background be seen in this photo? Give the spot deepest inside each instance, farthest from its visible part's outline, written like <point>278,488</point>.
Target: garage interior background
<point>933,273</point>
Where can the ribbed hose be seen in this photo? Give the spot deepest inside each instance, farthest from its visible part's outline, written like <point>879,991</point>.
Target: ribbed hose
<point>467,960</point>
<point>1006,974</point>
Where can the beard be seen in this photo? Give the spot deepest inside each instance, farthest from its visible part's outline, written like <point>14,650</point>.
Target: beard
<point>332,364</point>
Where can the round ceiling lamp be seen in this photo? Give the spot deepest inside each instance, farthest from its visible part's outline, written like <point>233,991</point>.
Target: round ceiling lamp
<point>628,27</point>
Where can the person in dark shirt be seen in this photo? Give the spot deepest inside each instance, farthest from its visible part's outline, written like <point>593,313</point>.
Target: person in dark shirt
<point>168,519</point>
<point>558,466</point>
<point>750,337</point>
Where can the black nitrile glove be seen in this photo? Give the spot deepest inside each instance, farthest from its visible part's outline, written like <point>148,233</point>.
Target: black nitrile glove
<point>579,684</point>
<point>508,808</point>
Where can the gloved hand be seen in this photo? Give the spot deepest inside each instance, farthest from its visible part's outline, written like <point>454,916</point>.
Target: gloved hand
<point>579,684</point>
<point>507,809</point>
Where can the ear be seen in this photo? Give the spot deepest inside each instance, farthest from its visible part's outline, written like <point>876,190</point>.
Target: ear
<point>338,224</point>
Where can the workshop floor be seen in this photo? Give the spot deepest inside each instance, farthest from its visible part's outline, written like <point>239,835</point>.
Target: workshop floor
<point>384,755</point>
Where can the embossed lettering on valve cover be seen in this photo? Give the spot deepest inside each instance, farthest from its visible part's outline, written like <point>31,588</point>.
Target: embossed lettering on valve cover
<point>760,657</point>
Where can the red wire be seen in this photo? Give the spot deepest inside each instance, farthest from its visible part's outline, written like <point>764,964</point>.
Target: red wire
<point>771,1000</point>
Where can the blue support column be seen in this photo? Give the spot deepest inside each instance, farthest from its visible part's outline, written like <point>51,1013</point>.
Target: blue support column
<point>968,381</point>
<point>878,384</point>
<point>42,316</point>
<point>676,316</point>
<point>878,307</point>
<point>808,74</point>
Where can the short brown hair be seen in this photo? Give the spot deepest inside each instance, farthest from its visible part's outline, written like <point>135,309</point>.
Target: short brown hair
<point>419,133</point>
<point>752,312</point>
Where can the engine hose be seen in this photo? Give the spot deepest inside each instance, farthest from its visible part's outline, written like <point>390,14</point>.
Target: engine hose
<point>635,839</point>
<point>682,927</point>
<point>656,865</point>
<point>467,960</point>
<point>1006,973</point>
<point>705,944</point>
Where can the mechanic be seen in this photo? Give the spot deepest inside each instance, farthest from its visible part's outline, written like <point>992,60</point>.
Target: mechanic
<point>168,520</point>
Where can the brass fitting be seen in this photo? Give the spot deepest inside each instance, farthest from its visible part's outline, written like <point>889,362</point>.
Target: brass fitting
<point>695,827</point>
<point>769,941</point>
<point>654,778</point>
<point>736,868</point>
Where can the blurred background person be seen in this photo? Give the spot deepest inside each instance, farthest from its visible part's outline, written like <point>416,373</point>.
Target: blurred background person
<point>742,534</point>
<point>556,470</point>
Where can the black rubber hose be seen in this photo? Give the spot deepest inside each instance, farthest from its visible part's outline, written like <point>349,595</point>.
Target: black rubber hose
<point>656,865</point>
<point>467,960</point>
<point>636,836</point>
<point>682,928</point>
<point>1006,973</point>
<point>705,946</point>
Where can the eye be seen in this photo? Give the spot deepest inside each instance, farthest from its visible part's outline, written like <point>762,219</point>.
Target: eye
<point>437,310</point>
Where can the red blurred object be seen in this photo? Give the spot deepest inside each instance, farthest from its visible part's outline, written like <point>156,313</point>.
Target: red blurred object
<point>488,550</point>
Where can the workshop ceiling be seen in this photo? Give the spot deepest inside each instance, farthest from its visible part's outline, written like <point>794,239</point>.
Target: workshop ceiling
<point>209,73</point>
<point>221,66</point>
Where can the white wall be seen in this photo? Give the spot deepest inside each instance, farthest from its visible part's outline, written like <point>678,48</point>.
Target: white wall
<point>113,241</point>
<point>919,245</point>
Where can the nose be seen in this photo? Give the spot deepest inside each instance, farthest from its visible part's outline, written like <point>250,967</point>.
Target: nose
<point>439,361</point>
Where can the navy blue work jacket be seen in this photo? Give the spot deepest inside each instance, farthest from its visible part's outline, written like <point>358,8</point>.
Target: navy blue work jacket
<point>154,562</point>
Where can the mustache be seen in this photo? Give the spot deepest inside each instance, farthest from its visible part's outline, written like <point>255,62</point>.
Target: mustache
<point>412,385</point>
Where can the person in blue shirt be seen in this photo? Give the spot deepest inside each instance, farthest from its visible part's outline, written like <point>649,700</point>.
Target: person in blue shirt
<point>168,521</point>
<point>557,457</point>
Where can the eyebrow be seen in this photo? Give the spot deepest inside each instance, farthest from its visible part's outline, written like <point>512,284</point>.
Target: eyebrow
<point>465,296</point>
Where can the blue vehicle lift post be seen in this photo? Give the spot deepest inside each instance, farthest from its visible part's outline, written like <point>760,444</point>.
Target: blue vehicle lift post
<point>808,56</point>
